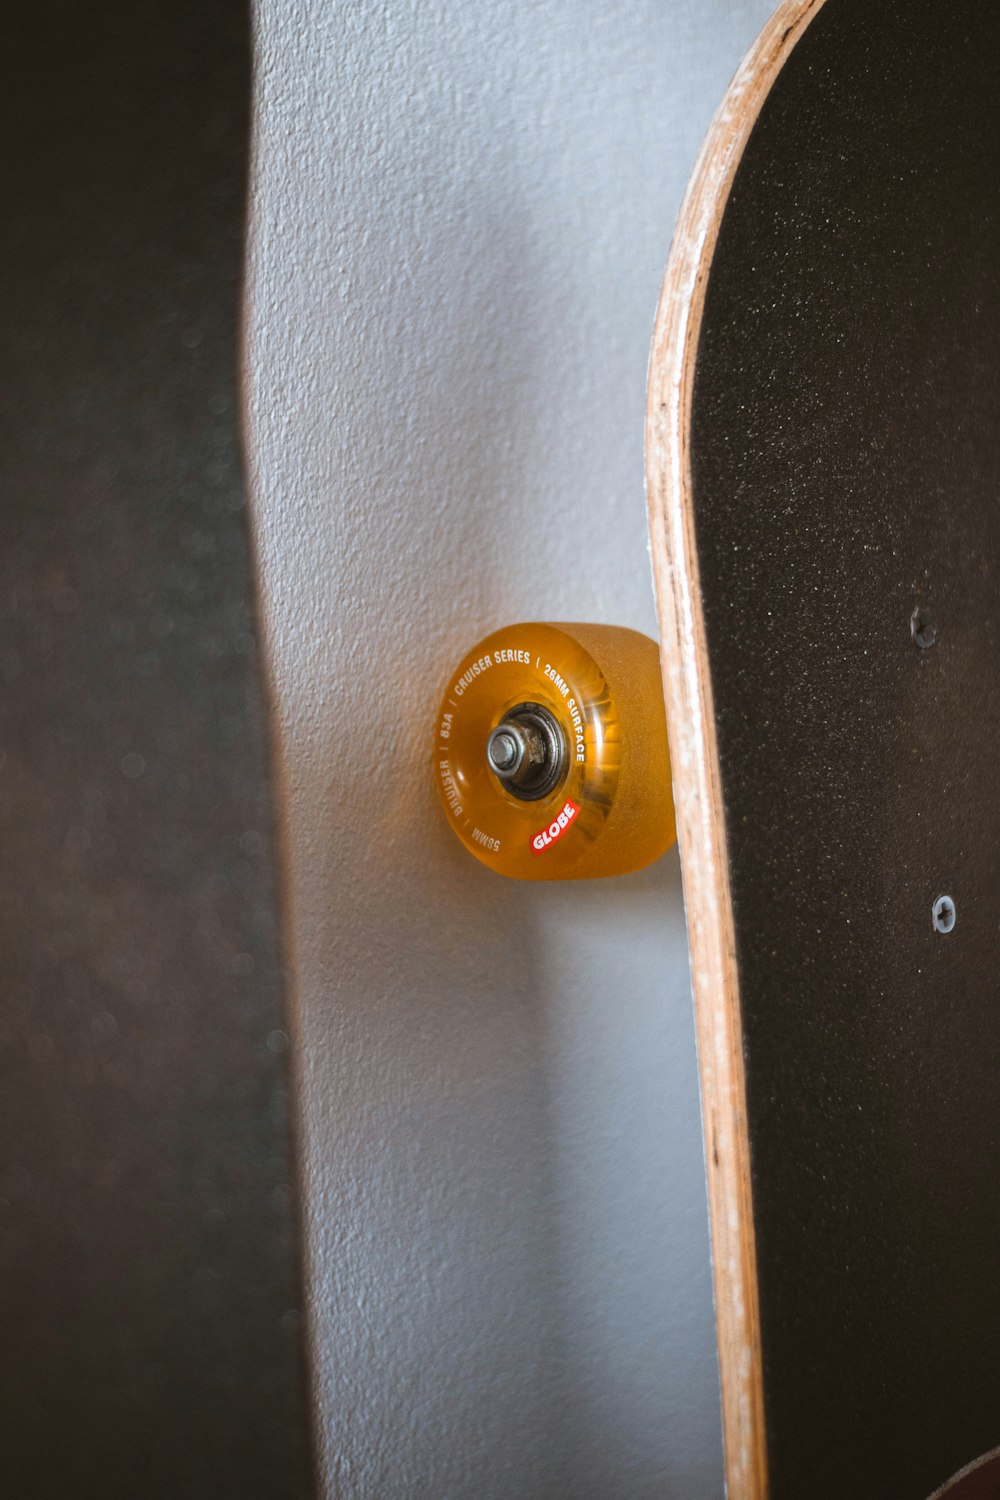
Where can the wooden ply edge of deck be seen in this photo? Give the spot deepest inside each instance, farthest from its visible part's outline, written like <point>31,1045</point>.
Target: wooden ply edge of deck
<point>694,751</point>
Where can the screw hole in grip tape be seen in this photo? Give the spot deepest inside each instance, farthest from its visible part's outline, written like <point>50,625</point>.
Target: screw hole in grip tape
<point>590,795</point>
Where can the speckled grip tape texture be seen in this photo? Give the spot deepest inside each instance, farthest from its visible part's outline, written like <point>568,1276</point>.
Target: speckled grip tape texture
<point>846,466</point>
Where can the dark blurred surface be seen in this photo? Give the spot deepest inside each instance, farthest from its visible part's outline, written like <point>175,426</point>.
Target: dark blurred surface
<point>149,1287</point>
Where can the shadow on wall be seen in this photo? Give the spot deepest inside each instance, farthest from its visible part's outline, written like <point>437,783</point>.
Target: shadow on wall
<point>628,1204</point>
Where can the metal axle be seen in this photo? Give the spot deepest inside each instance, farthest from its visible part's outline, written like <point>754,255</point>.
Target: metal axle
<point>527,751</point>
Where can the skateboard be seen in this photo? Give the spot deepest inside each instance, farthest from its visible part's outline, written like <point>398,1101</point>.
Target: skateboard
<point>823,452</point>
<point>823,467</point>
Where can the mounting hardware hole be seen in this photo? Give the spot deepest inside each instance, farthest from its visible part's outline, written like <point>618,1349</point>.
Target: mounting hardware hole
<point>943,914</point>
<point>922,628</point>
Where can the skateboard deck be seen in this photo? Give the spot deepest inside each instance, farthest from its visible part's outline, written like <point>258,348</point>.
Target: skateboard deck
<point>824,501</point>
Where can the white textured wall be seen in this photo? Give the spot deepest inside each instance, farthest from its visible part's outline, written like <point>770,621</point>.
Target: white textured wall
<point>460,217</point>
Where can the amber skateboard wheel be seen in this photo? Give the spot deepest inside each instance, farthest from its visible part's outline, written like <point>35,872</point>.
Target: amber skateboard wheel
<point>552,759</point>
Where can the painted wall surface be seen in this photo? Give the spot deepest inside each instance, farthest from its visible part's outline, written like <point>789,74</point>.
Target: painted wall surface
<point>460,216</point>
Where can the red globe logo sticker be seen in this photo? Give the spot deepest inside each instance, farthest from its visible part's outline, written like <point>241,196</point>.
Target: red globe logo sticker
<point>546,837</point>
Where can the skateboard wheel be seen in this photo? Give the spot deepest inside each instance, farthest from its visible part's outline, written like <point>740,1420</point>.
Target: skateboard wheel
<point>552,759</point>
